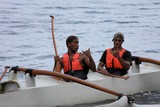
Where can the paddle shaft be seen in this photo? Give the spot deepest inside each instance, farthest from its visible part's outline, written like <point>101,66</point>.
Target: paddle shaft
<point>53,38</point>
<point>64,76</point>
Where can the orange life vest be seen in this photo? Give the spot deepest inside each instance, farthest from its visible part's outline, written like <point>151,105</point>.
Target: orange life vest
<point>75,62</point>
<point>113,62</point>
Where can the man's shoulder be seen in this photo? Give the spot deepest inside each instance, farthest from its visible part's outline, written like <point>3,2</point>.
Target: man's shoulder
<point>127,53</point>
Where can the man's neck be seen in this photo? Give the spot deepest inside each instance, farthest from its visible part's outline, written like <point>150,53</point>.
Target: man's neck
<point>117,48</point>
<point>70,53</point>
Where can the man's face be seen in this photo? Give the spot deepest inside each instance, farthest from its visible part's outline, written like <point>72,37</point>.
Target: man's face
<point>117,42</point>
<point>74,45</point>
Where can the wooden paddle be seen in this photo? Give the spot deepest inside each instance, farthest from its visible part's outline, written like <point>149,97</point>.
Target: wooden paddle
<point>57,67</point>
<point>114,76</point>
<point>64,76</point>
<point>6,68</point>
<point>53,38</point>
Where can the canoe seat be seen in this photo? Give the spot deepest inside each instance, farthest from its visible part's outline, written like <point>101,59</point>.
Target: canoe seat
<point>9,86</point>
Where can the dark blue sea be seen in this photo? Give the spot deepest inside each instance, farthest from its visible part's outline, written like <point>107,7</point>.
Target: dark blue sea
<point>26,36</point>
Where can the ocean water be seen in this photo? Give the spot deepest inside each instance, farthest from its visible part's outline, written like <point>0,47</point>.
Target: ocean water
<point>26,36</point>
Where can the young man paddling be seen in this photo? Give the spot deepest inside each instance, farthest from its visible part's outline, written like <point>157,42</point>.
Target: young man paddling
<point>75,63</point>
<point>116,60</point>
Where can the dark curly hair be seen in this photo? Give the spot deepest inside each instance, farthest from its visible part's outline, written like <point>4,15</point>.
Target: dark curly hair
<point>71,38</point>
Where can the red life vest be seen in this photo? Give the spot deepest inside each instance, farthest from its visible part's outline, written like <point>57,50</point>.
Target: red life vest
<point>113,62</point>
<point>75,63</point>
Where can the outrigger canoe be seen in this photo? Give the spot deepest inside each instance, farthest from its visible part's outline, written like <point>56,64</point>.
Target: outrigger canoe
<point>40,89</point>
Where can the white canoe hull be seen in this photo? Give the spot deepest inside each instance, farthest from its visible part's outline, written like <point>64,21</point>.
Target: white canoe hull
<point>50,93</point>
